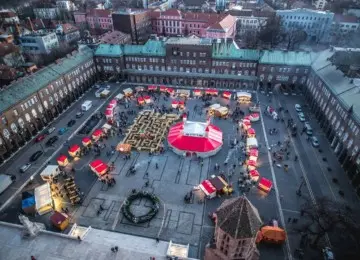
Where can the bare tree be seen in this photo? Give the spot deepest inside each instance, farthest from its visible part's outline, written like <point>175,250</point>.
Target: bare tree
<point>295,36</point>
<point>331,218</point>
<point>251,39</point>
<point>271,33</point>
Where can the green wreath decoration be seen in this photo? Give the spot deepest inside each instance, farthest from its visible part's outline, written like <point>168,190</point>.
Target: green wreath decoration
<point>126,208</point>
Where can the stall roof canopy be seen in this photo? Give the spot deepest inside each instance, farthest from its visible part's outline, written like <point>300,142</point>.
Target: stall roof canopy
<point>43,196</point>
<point>108,50</point>
<point>50,169</point>
<point>292,58</point>
<point>239,218</point>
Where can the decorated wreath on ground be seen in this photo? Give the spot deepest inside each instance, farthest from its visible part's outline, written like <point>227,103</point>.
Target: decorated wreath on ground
<point>154,209</point>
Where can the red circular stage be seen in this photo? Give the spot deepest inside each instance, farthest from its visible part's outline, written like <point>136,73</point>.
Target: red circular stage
<point>195,138</point>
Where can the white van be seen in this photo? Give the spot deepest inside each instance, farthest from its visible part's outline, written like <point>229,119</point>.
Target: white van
<point>98,92</point>
<point>86,105</point>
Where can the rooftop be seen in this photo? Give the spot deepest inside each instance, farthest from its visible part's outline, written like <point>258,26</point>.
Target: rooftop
<point>130,11</point>
<point>96,244</point>
<point>99,13</point>
<point>346,89</point>
<point>230,50</point>
<point>287,58</point>
<point>304,10</point>
<point>150,48</point>
<point>238,218</point>
<point>110,50</point>
<point>68,28</point>
<point>345,18</point>
<point>26,86</point>
<point>6,48</point>
<point>189,41</point>
<point>114,37</point>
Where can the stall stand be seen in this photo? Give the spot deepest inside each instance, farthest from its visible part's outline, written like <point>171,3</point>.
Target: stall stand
<point>86,141</point>
<point>147,99</point>
<point>119,97</point>
<point>197,92</point>
<point>99,167</point>
<point>181,104</point>
<point>140,101</point>
<point>139,89</point>
<point>212,92</point>
<point>28,205</point>
<point>152,88</point>
<point>43,199</point>
<point>253,152</point>
<point>251,143</point>
<point>105,93</point>
<point>123,148</point>
<point>171,91</point>
<point>128,92</point>
<point>271,111</point>
<point>174,104</point>
<point>109,115</point>
<point>113,102</point>
<point>251,133</point>
<point>222,187</point>
<point>50,172</point>
<point>265,184</point>
<point>254,108</point>
<point>208,189</point>
<point>183,93</point>
<point>251,165</point>
<point>254,175</point>
<point>253,158</point>
<point>97,134</point>
<point>59,220</point>
<point>254,117</point>
<point>246,125</point>
<point>74,150</point>
<point>213,108</point>
<point>227,94</point>
<point>163,88</point>
<point>243,97</point>
<point>106,128</point>
<point>222,112</point>
<point>62,160</point>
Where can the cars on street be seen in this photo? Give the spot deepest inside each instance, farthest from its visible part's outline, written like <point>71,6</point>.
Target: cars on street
<point>298,108</point>
<point>308,128</point>
<point>50,130</point>
<point>71,123</point>
<point>25,167</point>
<point>52,140</point>
<point>63,130</point>
<point>35,156</point>
<point>79,114</point>
<point>314,141</point>
<point>40,138</point>
<point>301,116</point>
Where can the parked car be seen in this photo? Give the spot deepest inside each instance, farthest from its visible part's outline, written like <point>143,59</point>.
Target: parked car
<point>314,141</point>
<point>35,156</point>
<point>40,138</point>
<point>52,140</point>
<point>71,123</point>
<point>63,130</point>
<point>301,116</point>
<point>298,108</point>
<point>50,130</point>
<point>25,167</point>
<point>309,130</point>
<point>79,114</point>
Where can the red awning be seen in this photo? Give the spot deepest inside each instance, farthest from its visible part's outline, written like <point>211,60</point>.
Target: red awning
<point>265,184</point>
<point>162,88</point>
<point>98,166</point>
<point>140,100</point>
<point>113,102</point>
<point>251,163</point>
<point>254,173</point>
<point>208,187</point>
<point>226,94</point>
<point>181,103</point>
<point>251,131</point>
<point>109,112</point>
<point>152,87</point>
<point>255,115</point>
<point>62,158</point>
<point>170,90</point>
<point>197,90</point>
<point>174,102</point>
<point>211,91</point>
<point>147,98</point>
<point>254,152</point>
<point>181,142</point>
<point>97,132</point>
<point>74,148</point>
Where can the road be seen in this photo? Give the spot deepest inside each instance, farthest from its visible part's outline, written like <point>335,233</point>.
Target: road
<point>13,165</point>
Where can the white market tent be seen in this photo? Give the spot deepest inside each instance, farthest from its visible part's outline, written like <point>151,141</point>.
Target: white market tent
<point>43,200</point>
<point>105,93</point>
<point>128,91</point>
<point>50,172</point>
<point>243,95</point>
<point>215,106</point>
<point>185,92</point>
<point>251,142</point>
<point>5,182</point>
<point>119,96</point>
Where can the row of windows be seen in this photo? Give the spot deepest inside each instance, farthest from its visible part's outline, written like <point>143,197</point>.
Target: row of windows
<point>300,17</point>
<point>283,70</point>
<point>234,64</point>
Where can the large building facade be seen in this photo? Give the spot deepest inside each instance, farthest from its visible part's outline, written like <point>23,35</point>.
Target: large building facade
<point>32,102</point>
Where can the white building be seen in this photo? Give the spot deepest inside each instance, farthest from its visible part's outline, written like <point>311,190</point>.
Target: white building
<point>46,12</point>
<point>39,43</point>
<point>316,24</point>
<point>320,4</point>
<point>8,17</point>
<point>343,25</point>
<point>67,33</point>
<point>250,20</point>
<point>66,5</point>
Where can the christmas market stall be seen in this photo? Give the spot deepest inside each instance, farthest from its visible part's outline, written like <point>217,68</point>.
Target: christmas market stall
<point>28,204</point>
<point>254,175</point>
<point>227,94</point>
<point>181,104</point>
<point>105,93</point>
<point>50,172</point>
<point>59,220</point>
<point>183,93</point>
<point>139,89</point>
<point>119,97</point>
<point>163,88</point>
<point>123,148</point>
<point>221,186</point>
<point>99,167</point>
<point>254,117</point>
<point>211,92</point>
<point>141,101</point>
<point>271,234</point>
<point>74,150</point>
<point>106,128</point>
<point>254,107</point>
<point>243,97</point>
<point>253,154</point>
<point>62,160</point>
<point>86,141</point>
<point>174,104</point>
<point>197,92</point>
<point>43,199</point>
<point>245,124</point>
<point>170,91</point>
<point>128,92</point>
<point>97,134</point>
<point>152,88</point>
<point>208,189</point>
<point>147,99</point>
<point>251,143</point>
<point>251,165</point>
<point>251,133</point>
<point>265,184</point>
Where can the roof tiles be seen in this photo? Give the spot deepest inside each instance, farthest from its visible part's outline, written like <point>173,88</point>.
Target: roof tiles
<point>111,50</point>
<point>291,58</point>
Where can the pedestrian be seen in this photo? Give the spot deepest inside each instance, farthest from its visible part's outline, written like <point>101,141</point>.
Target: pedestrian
<point>157,240</point>
<point>295,158</point>
<point>156,166</point>
<point>295,220</point>
<point>101,208</point>
<point>113,250</point>
<point>79,238</point>
<point>33,257</point>
<point>289,220</point>
<point>116,248</point>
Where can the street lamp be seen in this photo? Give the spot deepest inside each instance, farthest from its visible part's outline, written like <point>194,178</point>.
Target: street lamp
<point>298,192</point>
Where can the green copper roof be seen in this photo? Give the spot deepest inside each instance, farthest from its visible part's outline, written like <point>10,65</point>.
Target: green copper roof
<point>286,58</point>
<point>150,48</point>
<point>29,85</point>
<point>111,50</point>
<point>232,51</point>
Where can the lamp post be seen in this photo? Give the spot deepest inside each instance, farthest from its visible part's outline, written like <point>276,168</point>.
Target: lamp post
<point>298,192</point>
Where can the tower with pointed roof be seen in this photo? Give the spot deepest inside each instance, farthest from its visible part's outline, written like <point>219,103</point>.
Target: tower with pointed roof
<point>237,223</point>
